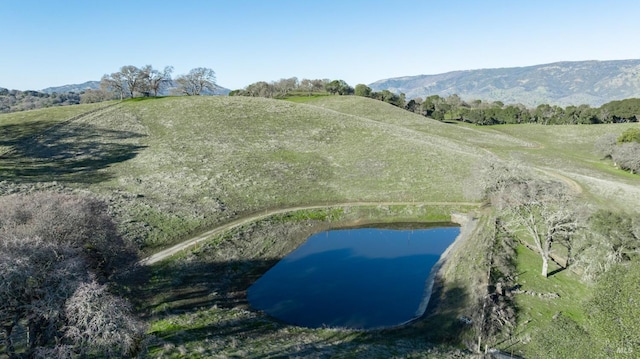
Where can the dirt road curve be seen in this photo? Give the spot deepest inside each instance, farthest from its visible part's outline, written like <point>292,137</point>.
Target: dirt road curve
<point>157,257</point>
<point>573,185</point>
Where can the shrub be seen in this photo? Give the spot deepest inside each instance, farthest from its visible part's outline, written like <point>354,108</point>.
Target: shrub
<point>605,145</point>
<point>52,245</point>
<point>627,156</point>
<point>630,135</point>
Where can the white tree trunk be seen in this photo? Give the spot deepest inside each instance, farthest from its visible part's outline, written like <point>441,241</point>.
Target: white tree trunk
<point>545,266</point>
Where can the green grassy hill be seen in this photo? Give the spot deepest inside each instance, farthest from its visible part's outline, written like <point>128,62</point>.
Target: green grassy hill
<point>172,166</point>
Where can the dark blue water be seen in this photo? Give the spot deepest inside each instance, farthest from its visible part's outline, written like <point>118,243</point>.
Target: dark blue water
<point>355,278</point>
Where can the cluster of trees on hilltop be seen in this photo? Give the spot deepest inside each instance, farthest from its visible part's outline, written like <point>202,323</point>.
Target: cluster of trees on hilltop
<point>283,88</point>
<point>147,81</point>
<point>292,87</point>
<point>384,95</point>
<point>15,100</point>
<point>130,81</point>
<point>453,107</point>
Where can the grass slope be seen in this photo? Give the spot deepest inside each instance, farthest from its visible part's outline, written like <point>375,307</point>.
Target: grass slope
<point>17,126</point>
<point>174,166</point>
<point>569,150</point>
<point>458,134</point>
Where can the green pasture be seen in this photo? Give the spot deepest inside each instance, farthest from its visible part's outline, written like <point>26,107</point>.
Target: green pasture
<point>174,166</point>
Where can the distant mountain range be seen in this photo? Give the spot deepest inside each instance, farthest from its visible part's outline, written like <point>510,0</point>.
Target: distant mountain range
<point>561,83</point>
<point>77,88</point>
<point>94,85</point>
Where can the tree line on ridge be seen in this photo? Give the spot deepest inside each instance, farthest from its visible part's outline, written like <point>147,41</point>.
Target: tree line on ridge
<point>128,82</point>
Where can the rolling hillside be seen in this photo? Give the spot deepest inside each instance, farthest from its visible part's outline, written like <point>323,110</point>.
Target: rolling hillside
<point>561,83</point>
<point>173,165</point>
<point>172,168</point>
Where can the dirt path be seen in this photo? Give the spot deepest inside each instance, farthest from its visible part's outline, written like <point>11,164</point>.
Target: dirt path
<point>154,258</point>
<point>573,185</point>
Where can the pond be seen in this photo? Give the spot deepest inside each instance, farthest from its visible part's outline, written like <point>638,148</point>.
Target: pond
<point>360,278</point>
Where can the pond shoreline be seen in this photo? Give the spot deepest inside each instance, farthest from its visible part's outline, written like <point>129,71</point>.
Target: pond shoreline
<point>467,226</point>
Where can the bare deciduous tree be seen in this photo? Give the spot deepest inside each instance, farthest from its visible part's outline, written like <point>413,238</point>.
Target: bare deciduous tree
<point>260,89</point>
<point>543,210</point>
<point>154,80</point>
<point>37,277</point>
<point>101,323</point>
<point>283,86</point>
<point>546,212</point>
<point>50,244</point>
<point>196,81</point>
<point>306,85</point>
<point>491,177</point>
<point>627,156</point>
<point>114,83</point>
<point>133,78</point>
<point>605,145</point>
<point>611,238</point>
<point>93,96</point>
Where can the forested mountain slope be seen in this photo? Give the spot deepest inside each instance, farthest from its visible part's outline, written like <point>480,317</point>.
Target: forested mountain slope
<point>561,83</point>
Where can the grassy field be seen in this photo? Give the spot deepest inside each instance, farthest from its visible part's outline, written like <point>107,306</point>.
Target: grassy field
<point>569,151</point>
<point>176,166</point>
<point>301,97</point>
<point>173,167</point>
<point>18,126</point>
<point>458,134</point>
<point>538,304</point>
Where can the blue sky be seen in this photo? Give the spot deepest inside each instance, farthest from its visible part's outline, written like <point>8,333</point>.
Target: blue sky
<point>55,42</point>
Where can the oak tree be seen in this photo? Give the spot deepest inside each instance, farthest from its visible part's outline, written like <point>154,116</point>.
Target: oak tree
<point>544,211</point>
<point>154,80</point>
<point>196,81</point>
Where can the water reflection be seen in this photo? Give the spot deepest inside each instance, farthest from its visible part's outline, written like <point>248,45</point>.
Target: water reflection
<point>357,278</point>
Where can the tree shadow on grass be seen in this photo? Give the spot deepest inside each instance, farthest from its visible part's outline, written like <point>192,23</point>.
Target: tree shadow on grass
<point>442,322</point>
<point>175,287</point>
<point>556,271</point>
<point>13,134</point>
<point>71,153</point>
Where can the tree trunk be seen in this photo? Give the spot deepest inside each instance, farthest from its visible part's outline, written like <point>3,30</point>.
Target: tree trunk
<point>546,254</point>
<point>545,266</point>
